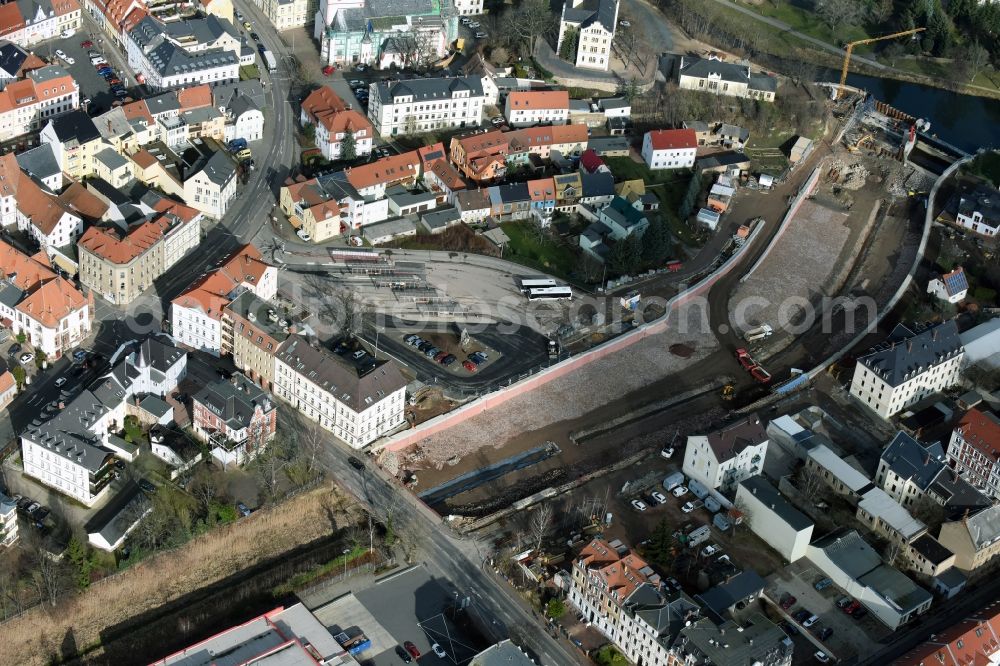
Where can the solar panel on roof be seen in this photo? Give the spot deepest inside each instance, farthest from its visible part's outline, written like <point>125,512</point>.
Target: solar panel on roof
<point>956,282</point>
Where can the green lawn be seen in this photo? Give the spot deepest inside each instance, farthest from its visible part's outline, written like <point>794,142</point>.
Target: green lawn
<point>987,166</point>
<point>669,186</point>
<point>609,656</point>
<point>944,70</point>
<point>526,247</point>
<point>807,23</point>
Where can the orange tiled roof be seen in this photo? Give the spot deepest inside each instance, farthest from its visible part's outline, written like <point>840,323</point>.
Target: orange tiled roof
<point>447,173</point>
<point>6,381</point>
<point>24,92</point>
<point>970,642</point>
<point>620,574</point>
<point>83,202</point>
<point>322,100</point>
<point>982,432</point>
<point>29,272</point>
<point>108,245</point>
<point>307,192</point>
<point>491,141</point>
<point>195,97</point>
<point>165,205</point>
<point>211,293</point>
<point>138,109</point>
<point>388,170</point>
<point>143,158</point>
<point>324,107</point>
<point>538,99</point>
<point>542,189</point>
<point>63,7</point>
<point>30,63</point>
<point>11,19</point>
<point>53,301</point>
<point>42,208</point>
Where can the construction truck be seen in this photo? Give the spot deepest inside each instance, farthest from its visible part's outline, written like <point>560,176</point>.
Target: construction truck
<point>759,333</point>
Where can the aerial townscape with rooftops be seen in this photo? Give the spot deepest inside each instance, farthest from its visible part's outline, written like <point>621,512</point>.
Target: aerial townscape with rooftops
<point>484,332</point>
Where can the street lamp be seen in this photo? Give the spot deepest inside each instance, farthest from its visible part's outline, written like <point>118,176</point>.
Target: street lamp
<point>346,551</point>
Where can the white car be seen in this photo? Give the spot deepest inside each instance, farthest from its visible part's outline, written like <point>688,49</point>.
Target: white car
<point>481,35</point>
<point>474,24</point>
<point>822,657</point>
<point>61,54</point>
<point>69,61</point>
<point>357,83</point>
<point>439,651</point>
<point>688,507</point>
<point>625,24</point>
<point>659,497</point>
<point>810,621</point>
<point>638,505</point>
<point>709,550</point>
<point>68,33</point>
<point>679,491</point>
<point>667,452</point>
<point>60,382</point>
<point>303,235</point>
<point>27,357</point>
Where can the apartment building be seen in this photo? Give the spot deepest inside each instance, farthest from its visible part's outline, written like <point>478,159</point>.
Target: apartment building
<point>568,140</point>
<point>212,188</point>
<point>199,172</point>
<point>28,23</point>
<point>774,519</point>
<point>721,459</point>
<point>468,7</point>
<point>243,104</point>
<point>424,105</point>
<point>253,331</point>
<point>183,53</point>
<point>725,78</point>
<point>329,205</point>
<point>121,265</point>
<point>439,175</point>
<point>669,149</point>
<point>973,640</point>
<point>196,316</point>
<point>480,156</point>
<point>974,450</point>
<point>909,366</point>
<point>73,452</point>
<point>8,521</point>
<point>75,143</point>
<point>974,538</point>
<point>51,220</point>
<point>357,403</point>
<point>235,417</point>
<point>288,14</point>
<point>43,94</point>
<point>334,121</point>
<point>371,180</point>
<point>53,314</point>
<point>592,24</point>
<point>525,108</point>
<point>979,211</point>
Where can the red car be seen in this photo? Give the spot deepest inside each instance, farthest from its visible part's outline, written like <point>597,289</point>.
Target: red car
<point>760,374</point>
<point>469,365</point>
<point>412,649</point>
<point>743,356</point>
<point>852,607</point>
<point>787,601</point>
<point>87,44</point>
<point>329,69</point>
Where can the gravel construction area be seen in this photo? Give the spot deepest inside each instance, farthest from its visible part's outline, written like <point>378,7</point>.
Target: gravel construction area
<point>798,266</point>
<point>578,394</point>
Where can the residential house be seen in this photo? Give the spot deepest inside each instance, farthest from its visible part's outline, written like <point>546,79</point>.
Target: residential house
<point>837,473</point>
<point>288,14</point>
<point>289,635</point>
<point>979,211</point>
<point>49,219</point>
<point>480,156</point>
<point>196,315</point>
<point>634,192</point>
<point>8,521</point>
<point>107,529</point>
<point>669,149</point>
<point>569,189</point>
<point>334,121</point>
<point>312,209</point>
<point>543,199</point>
<point>358,404</point>
<point>974,450</point>
<point>610,146</point>
<point>541,141</point>
<point>439,175</point>
<point>591,25</point>
<point>111,167</point>
<point>243,104</point>
<point>731,136</point>
<point>888,518</point>
<point>909,366</point>
<point>211,187</point>
<point>235,417</point>
<point>702,131</point>
<point>8,388</point>
<point>537,107</point>
<point>773,518</point>
<point>75,142</point>
<point>252,332</point>
<point>73,451</point>
<point>597,189</point>
<point>510,201</point>
<point>753,639</point>
<point>41,165</point>
<point>473,205</point>
<point>49,310</point>
<point>425,105</point>
<point>372,179</point>
<point>857,569</point>
<point>622,220</point>
<point>734,594</point>
<point>951,287</point>
<point>975,538</point>
<point>973,640</point>
<point>724,78</point>
<point>591,162</point>
<point>615,107</point>
<point>912,472</point>
<point>43,94</point>
<point>120,263</point>
<point>721,459</point>
<point>16,62</point>
<point>27,24</point>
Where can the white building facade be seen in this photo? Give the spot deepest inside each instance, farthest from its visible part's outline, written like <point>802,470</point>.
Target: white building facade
<point>722,459</point>
<point>670,149</point>
<point>423,105</point>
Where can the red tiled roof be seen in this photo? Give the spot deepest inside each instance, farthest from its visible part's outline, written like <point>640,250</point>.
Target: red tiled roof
<point>542,189</point>
<point>538,99</point>
<point>53,301</point>
<point>10,18</point>
<point>387,171</point>
<point>970,642</point>
<point>673,139</point>
<point>981,430</point>
<point>210,294</point>
<point>122,249</point>
<point>195,97</point>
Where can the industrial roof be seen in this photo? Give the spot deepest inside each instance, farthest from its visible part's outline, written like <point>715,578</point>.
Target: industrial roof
<point>768,495</point>
<point>877,503</point>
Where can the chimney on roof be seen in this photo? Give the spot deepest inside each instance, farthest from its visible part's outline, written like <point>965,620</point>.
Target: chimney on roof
<point>909,346</point>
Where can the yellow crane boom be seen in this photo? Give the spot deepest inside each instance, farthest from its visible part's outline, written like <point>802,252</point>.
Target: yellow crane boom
<point>850,48</point>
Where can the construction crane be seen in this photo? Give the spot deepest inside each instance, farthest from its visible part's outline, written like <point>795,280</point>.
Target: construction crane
<point>850,48</point>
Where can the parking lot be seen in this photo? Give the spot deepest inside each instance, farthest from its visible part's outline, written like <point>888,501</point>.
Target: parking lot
<point>407,606</point>
<point>92,85</point>
<point>851,637</point>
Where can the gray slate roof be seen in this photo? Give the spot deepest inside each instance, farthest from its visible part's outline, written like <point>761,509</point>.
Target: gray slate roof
<point>235,400</point>
<point>849,552</point>
<point>760,641</point>
<point>600,184</point>
<point>75,125</point>
<point>440,218</point>
<point>984,527</point>
<point>423,90</point>
<point>703,68</point>
<point>40,162</point>
<point>111,159</point>
<point>219,168</point>
<point>909,351</point>
<point>116,517</point>
<point>223,94</point>
<point>913,460</point>
<point>769,496</point>
<point>358,390</point>
<point>723,597</point>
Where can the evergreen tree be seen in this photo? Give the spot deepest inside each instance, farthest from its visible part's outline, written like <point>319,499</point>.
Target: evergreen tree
<point>656,241</point>
<point>624,256</point>
<point>76,553</point>
<point>690,197</point>
<point>567,50</point>
<point>348,146</point>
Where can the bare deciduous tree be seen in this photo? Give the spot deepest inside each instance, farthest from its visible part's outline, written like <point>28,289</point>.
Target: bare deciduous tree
<point>532,19</point>
<point>540,524</point>
<point>809,482</point>
<point>837,12</point>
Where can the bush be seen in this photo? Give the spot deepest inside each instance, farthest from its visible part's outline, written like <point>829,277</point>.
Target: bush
<point>984,294</point>
<point>555,608</point>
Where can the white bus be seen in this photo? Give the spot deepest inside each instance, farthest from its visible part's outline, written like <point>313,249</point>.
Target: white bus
<point>531,283</point>
<point>549,293</point>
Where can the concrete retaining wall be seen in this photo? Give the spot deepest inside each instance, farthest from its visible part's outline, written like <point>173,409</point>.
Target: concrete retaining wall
<point>443,422</point>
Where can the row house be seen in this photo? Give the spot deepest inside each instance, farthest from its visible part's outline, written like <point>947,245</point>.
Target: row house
<point>480,156</point>
<point>542,192</point>
<point>973,640</point>
<point>122,264</point>
<point>334,121</point>
<point>439,175</point>
<point>909,366</point>
<point>75,142</point>
<point>74,451</point>
<point>426,105</point>
<point>473,206</point>
<point>974,450</point>
<point>28,103</point>
<point>115,16</point>
<point>537,107</point>
<point>235,417</point>
<point>202,174</point>
<point>510,201</point>
<point>974,538</point>
<point>27,24</point>
<point>196,316</point>
<point>358,404</point>
<point>568,140</point>
<point>314,209</point>
<point>242,103</point>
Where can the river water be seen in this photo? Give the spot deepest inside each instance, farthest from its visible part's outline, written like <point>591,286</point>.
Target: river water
<point>963,120</point>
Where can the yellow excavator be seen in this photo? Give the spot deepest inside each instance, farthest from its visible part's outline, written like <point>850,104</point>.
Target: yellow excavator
<point>728,391</point>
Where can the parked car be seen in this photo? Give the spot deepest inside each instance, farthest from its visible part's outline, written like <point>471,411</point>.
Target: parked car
<point>801,615</point>
<point>432,352</point>
<point>410,338</point>
<point>853,607</point>
<point>825,633</point>
<point>254,36</point>
<point>357,83</point>
<point>474,24</point>
<point>61,382</point>
<point>469,365</point>
<point>843,602</point>
<point>146,486</point>
<point>822,657</point>
<point>403,654</point>
<point>27,357</point>
<point>481,355</point>
<point>658,497</point>
<point>356,463</point>
<point>810,621</point>
<point>80,355</point>
<point>787,601</point>
<point>243,509</point>
<point>481,35</point>
<point>688,507</point>
<point>61,54</point>
<point>439,651</point>
<point>709,550</point>
<point>424,346</point>
<point>303,235</point>
<point>464,20</point>
<point>638,505</point>
<point>679,491</point>
<point>120,465</point>
<point>246,24</point>
<point>448,360</point>
<point>14,350</point>
<point>667,452</point>
<point>859,612</point>
<point>87,44</point>
<point>788,628</point>
<point>33,507</point>
<point>440,356</point>
<point>412,649</point>
<point>822,584</point>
